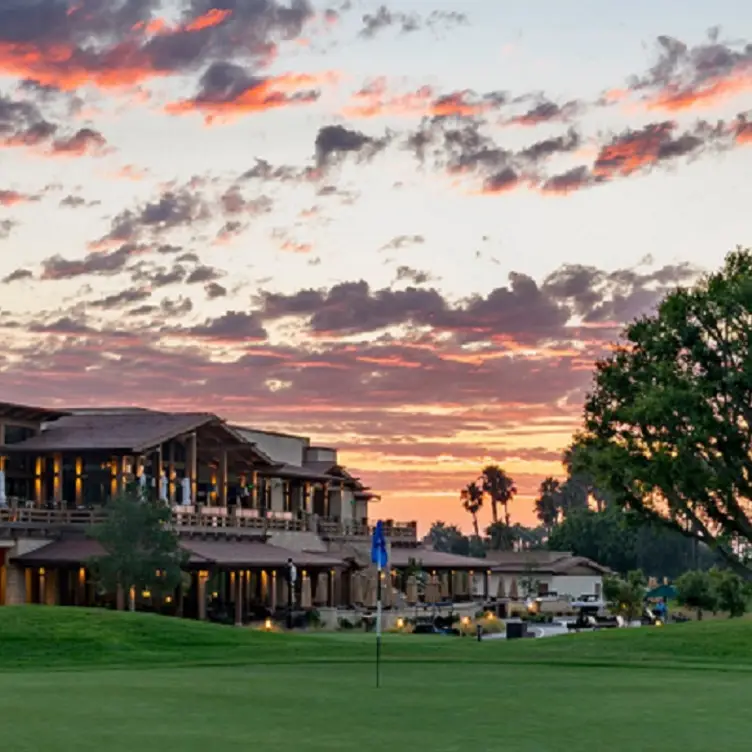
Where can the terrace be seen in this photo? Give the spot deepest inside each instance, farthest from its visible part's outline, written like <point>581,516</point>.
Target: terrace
<point>20,519</point>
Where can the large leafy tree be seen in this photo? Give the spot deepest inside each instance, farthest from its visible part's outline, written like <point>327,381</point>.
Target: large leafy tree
<point>142,550</point>
<point>668,426</point>
<point>500,489</point>
<point>448,539</point>
<point>501,537</point>
<point>471,498</point>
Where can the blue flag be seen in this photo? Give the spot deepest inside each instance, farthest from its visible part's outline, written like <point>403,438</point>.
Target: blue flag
<point>379,554</point>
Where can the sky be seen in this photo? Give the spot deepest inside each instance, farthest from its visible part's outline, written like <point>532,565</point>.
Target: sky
<point>405,230</point>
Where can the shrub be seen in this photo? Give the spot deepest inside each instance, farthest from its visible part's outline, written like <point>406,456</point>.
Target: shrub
<point>697,590</point>
<point>731,591</point>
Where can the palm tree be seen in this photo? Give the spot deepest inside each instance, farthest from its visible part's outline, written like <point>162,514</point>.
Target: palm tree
<point>548,502</point>
<point>500,489</point>
<point>471,497</point>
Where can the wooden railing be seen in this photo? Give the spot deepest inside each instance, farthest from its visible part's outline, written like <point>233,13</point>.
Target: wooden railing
<point>209,519</point>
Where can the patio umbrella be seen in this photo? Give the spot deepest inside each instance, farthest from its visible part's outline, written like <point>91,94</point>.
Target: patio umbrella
<point>432,592</point>
<point>187,501</point>
<point>513,594</point>
<point>163,493</point>
<point>457,584</point>
<point>3,497</point>
<point>356,590</point>
<point>371,589</point>
<point>386,591</point>
<point>445,585</point>
<point>142,480</point>
<point>322,589</point>
<point>411,590</point>
<point>305,592</point>
<point>500,590</point>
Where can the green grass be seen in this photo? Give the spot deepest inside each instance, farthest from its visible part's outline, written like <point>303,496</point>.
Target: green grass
<point>92,680</point>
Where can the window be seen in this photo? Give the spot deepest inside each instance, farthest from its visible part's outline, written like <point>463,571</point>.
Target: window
<point>542,588</point>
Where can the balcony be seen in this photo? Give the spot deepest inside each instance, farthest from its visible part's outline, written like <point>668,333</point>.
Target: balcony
<point>203,521</point>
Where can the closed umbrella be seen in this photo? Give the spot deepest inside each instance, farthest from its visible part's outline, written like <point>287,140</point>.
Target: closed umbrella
<point>142,481</point>
<point>444,585</point>
<point>432,592</point>
<point>356,594</point>
<point>305,592</point>
<point>163,488</point>
<point>322,589</point>
<point>500,590</point>
<point>387,592</point>
<point>187,501</point>
<point>371,589</point>
<point>513,594</point>
<point>457,584</point>
<point>283,591</point>
<point>3,497</point>
<point>411,590</point>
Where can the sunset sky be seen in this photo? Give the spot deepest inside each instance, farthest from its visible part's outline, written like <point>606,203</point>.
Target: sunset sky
<point>404,230</point>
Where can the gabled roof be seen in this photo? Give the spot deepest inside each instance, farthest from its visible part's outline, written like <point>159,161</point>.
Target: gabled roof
<point>287,470</point>
<point>540,562</point>
<point>132,431</point>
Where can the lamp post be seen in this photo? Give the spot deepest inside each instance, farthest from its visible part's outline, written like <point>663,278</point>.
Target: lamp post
<point>292,576</point>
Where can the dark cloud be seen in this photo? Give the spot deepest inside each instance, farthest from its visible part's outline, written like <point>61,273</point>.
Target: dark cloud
<point>175,208</point>
<point>572,180</point>
<point>401,241</point>
<point>18,275</point>
<point>120,299</point>
<point>384,18</point>
<point>542,150</point>
<point>227,89</point>
<point>122,42</point>
<point>547,112</point>
<point>233,326</point>
<point>335,141</point>
<point>82,142</point>
<point>684,77</point>
<point>6,227</point>
<point>105,263</point>
<point>234,202</point>
<point>414,276</point>
<point>214,290</point>
<point>158,276</point>
<point>523,309</point>
<point>506,179</point>
<point>203,274</point>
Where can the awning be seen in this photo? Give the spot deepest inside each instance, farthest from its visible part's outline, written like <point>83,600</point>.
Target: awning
<point>73,552</point>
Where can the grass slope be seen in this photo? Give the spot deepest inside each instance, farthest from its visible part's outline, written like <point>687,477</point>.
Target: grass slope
<point>46,638</point>
<point>316,692</point>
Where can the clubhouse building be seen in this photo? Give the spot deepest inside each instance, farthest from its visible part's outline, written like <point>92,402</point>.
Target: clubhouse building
<point>245,503</point>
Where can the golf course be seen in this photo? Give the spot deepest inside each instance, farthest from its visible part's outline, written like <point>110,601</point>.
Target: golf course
<point>93,680</point>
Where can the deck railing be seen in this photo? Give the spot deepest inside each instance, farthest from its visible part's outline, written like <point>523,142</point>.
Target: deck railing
<point>214,519</point>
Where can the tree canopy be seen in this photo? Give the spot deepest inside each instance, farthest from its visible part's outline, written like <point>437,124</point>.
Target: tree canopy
<point>142,550</point>
<point>667,428</point>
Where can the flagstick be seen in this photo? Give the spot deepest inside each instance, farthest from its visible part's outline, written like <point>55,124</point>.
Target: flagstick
<point>378,628</point>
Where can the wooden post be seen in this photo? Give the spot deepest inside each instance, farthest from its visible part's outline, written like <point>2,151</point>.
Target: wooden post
<point>238,599</point>
<point>192,465</point>
<point>222,478</point>
<point>158,471</point>
<point>202,578</point>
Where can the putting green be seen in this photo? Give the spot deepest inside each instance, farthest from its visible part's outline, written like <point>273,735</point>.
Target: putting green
<point>686,687</point>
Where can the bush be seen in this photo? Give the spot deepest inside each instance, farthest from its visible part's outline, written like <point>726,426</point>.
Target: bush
<point>731,591</point>
<point>697,590</point>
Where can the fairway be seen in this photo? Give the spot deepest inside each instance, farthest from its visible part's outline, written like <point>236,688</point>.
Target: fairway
<point>317,692</point>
